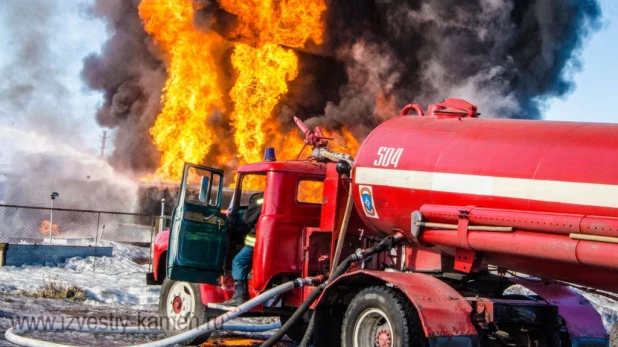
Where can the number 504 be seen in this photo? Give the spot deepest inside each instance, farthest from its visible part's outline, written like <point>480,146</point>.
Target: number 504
<point>388,156</point>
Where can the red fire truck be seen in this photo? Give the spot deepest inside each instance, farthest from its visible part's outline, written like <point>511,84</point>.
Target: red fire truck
<point>419,240</point>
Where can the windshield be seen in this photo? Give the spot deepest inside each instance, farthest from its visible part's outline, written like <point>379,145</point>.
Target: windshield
<point>251,184</point>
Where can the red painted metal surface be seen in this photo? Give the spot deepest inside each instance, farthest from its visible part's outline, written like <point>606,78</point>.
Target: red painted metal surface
<point>556,223</point>
<point>582,320</point>
<point>336,190</point>
<point>411,161</point>
<point>160,246</point>
<point>217,294</point>
<point>213,294</point>
<point>291,166</point>
<point>279,241</point>
<point>442,310</point>
<point>586,256</point>
<point>539,150</point>
<point>419,259</point>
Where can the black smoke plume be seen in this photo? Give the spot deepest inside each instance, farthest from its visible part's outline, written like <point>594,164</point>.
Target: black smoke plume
<point>130,72</point>
<point>508,57</point>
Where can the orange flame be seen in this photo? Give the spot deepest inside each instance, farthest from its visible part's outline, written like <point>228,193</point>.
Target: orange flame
<point>261,56</point>
<point>191,92</point>
<point>263,66</point>
<point>44,229</point>
<point>262,78</point>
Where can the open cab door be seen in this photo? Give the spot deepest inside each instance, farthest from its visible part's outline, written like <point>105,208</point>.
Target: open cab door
<point>198,234</point>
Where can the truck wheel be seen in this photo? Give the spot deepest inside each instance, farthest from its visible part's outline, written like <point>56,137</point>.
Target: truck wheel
<point>381,316</point>
<point>181,309</point>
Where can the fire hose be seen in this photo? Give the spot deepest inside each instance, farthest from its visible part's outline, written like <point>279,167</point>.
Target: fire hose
<point>360,254</point>
<point>217,323</point>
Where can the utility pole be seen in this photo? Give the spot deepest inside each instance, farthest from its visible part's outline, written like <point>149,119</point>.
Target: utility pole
<point>103,139</point>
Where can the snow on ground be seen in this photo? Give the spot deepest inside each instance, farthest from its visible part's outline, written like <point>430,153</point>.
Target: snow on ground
<point>607,307</point>
<point>12,306</point>
<point>115,287</point>
<point>118,279</point>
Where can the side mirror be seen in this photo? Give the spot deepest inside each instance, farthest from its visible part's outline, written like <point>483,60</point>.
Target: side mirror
<point>204,188</point>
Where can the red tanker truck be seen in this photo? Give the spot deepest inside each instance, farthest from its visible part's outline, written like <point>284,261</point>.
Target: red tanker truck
<point>417,240</point>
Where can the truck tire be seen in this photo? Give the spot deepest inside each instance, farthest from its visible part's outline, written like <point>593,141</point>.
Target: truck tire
<point>181,309</point>
<point>381,316</point>
<point>613,335</point>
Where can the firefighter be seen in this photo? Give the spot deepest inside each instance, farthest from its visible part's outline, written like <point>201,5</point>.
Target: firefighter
<point>241,265</point>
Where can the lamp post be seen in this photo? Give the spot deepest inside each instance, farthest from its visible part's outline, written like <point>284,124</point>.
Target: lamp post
<point>53,197</point>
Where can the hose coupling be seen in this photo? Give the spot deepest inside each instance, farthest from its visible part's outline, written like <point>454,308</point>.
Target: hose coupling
<point>314,281</point>
<point>299,282</point>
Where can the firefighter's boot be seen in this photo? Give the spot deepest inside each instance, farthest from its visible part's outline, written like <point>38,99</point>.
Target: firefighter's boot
<point>240,294</point>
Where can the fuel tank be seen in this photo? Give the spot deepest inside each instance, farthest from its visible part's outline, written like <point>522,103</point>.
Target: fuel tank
<point>452,157</point>
<point>551,185</point>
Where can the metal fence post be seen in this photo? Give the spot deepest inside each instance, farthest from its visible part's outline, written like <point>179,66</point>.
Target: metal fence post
<point>96,243</point>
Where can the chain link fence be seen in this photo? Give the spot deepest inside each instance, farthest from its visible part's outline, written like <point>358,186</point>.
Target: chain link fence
<point>50,229</point>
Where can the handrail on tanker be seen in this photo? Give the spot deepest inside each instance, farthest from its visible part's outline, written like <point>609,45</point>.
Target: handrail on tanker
<point>414,106</point>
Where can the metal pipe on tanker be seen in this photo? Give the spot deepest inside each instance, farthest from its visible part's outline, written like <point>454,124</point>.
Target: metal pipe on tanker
<point>545,222</point>
<point>597,238</point>
<point>536,245</point>
<point>342,231</point>
<point>470,227</point>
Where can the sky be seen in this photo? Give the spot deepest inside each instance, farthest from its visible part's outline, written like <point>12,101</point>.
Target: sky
<point>76,34</point>
<point>596,85</point>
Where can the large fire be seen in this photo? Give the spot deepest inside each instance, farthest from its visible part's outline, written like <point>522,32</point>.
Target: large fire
<point>263,61</point>
<point>181,132</point>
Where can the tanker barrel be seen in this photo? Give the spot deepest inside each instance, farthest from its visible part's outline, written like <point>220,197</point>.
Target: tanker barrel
<point>447,163</point>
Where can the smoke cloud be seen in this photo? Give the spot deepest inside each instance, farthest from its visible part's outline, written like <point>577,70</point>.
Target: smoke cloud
<point>508,57</point>
<point>32,93</point>
<point>130,72</point>
<point>42,133</point>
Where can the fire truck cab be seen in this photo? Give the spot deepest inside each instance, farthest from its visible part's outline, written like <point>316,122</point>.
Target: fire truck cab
<point>196,268</point>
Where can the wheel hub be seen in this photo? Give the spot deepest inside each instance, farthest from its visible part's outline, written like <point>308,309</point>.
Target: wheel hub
<point>383,338</point>
<point>177,304</point>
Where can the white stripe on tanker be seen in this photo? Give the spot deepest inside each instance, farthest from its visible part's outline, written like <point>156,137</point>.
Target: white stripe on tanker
<point>591,194</point>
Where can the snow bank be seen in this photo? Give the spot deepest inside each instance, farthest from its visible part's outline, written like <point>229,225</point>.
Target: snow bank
<point>114,280</point>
